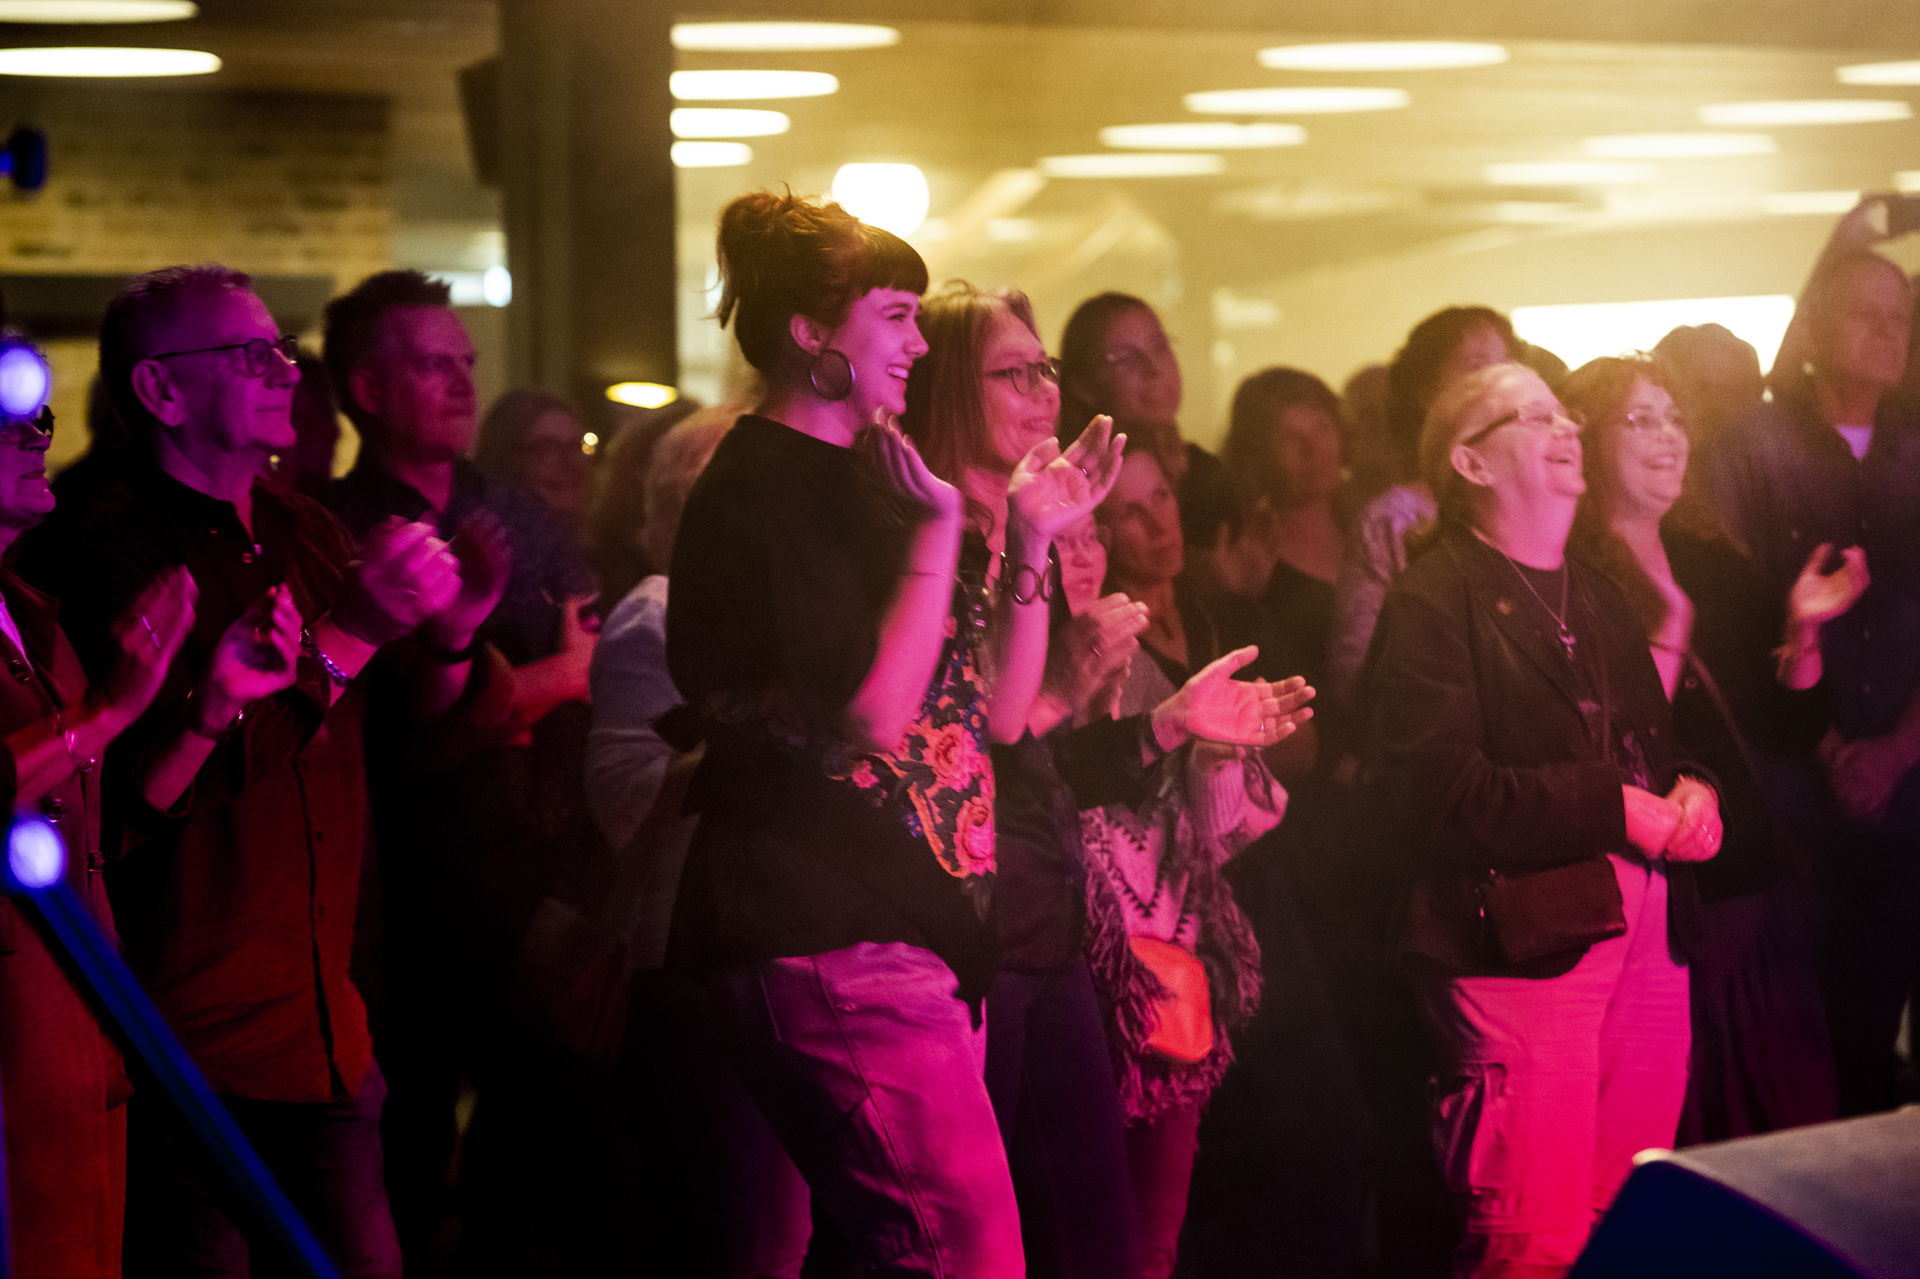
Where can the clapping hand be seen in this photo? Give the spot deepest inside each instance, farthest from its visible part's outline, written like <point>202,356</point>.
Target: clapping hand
<point>1214,706</point>
<point>1817,597</point>
<point>482,559</point>
<point>254,658</point>
<point>145,638</point>
<point>1697,832</point>
<point>904,473</point>
<point>404,575</point>
<point>1094,652</point>
<point>1052,489</point>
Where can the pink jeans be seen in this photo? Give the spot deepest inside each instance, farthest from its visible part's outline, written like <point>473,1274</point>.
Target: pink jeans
<point>1551,1085</point>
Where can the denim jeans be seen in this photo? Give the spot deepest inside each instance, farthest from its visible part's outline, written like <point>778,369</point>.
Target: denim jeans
<point>870,1070</point>
<point>182,1219</point>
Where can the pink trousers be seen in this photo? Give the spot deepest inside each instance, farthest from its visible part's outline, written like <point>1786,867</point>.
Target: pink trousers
<point>1550,1086</point>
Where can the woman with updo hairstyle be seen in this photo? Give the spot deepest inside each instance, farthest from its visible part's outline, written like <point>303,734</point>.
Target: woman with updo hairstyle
<point>1521,739</point>
<point>981,405</point>
<point>1731,657</point>
<point>1444,346</point>
<point>832,644</point>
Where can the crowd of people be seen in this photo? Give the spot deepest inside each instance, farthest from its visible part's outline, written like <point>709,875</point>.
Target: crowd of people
<point>939,819</point>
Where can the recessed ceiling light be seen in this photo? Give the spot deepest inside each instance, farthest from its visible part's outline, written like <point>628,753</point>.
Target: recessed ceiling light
<point>1805,111</point>
<point>1120,164</point>
<point>106,62</point>
<point>1383,55</point>
<point>893,197</point>
<point>1907,180</point>
<point>1556,173</point>
<point>1296,101</point>
<point>711,155</point>
<point>1188,134</point>
<point>1808,202</point>
<point>780,37</point>
<point>643,395</point>
<point>1678,146</point>
<point>727,122</point>
<point>96,10</point>
<point>1880,73</point>
<point>731,86</point>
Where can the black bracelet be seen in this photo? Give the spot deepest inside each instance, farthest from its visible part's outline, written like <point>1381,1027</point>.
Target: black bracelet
<point>1038,582</point>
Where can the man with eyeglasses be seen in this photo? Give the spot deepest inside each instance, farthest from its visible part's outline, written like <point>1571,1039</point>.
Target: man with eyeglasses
<point>1834,459</point>
<point>239,818</point>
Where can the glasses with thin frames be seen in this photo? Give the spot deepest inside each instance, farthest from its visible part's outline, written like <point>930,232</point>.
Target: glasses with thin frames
<point>1649,423</point>
<point>257,352</point>
<point>1533,422</point>
<point>1026,378</point>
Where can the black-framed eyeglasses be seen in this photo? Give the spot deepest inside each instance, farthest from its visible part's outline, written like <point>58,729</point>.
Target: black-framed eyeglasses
<point>1026,378</point>
<point>1532,422</point>
<point>258,352</point>
<point>15,430</point>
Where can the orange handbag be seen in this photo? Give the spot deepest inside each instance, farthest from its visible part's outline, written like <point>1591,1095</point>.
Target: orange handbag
<point>1183,1017</point>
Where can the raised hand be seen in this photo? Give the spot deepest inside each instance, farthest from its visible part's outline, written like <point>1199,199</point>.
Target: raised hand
<point>404,575</point>
<point>145,638</point>
<point>254,658</point>
<point>1051,490</point>
<point>900,468</point>
<point>1214,706</point>
<point>1816,597</point>
<point>483,558</point>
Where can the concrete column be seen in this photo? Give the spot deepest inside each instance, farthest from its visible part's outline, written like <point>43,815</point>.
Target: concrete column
<point>588,194</point>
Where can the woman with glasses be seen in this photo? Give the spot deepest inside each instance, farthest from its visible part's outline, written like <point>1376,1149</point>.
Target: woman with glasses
<point>1729,657</point>
<point>1520,735</point>
<point>1116,359</point>
<point>534,438</point>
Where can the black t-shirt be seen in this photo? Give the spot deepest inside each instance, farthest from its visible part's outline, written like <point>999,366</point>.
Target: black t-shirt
<point>786,559</point>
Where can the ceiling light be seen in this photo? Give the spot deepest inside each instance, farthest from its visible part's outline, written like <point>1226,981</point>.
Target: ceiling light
<point>727,122</point>
<point>1186,134</point>
<point>1383,55</point>
<point>1555,173</point>
<point>893,197</point>
<point>76,11</point>
<point>780,37</point>
<point>106,62</point>
<point>1805,111</point>
<point>1296,101</point>
<point>1120,164</point>
<point>1790,203</point>
<point>1678,146</point>
<point>1907,180</point>
<point>730,86</point>
<point>643,395</point>
<point>1880,73</point>
<point>711,155</point>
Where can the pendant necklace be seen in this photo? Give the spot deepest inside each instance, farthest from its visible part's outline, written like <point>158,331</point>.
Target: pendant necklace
<point>1568,641</point>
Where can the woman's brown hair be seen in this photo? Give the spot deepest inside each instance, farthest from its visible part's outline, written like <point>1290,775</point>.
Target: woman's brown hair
<point>783,255</point>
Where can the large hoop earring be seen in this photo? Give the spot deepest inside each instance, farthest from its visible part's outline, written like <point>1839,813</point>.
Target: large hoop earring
<point>831,375</point>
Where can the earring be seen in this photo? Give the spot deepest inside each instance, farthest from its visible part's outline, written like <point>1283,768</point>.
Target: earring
<point>831,375</point>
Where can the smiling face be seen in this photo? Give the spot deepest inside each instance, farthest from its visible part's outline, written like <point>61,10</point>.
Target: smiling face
<point>1524,448</point>
<point>1137,374</point>
<point>215,406</point>
<point>1646,453</point>
<point>1141,521</point>
<point>1013,421</point>
<point>25,498</point>
<point>881,339</point>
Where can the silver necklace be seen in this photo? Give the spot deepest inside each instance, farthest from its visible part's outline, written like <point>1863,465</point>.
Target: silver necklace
<point>1568,640</point>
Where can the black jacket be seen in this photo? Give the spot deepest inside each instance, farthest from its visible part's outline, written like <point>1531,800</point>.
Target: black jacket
<point>1479,744</point>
